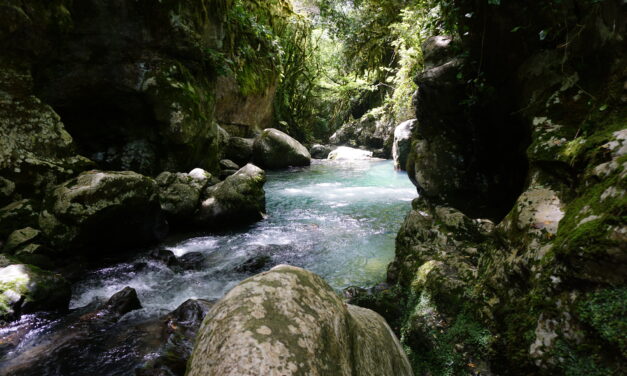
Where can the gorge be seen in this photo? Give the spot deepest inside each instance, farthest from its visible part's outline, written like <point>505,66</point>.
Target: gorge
<point>204,187</point>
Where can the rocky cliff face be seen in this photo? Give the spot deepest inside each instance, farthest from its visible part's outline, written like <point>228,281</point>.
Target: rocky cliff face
<point>536,143</point>
<point>115,86</point>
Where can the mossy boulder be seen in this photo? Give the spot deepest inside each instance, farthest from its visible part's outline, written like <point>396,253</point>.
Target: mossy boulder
<point>104,211</point>
<point>289,321</point>
<point>26,289</point>
<point>274,149</point>
<point>239,199</point>
<point>179,193</point>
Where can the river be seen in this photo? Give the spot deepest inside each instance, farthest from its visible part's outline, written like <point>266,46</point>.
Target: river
<point>337,219</point>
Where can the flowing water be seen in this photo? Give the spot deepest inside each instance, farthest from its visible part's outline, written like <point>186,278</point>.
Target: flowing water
<point>337,219</point>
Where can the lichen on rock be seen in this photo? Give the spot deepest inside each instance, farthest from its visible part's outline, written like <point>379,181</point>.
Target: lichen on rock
<point>288,321</point>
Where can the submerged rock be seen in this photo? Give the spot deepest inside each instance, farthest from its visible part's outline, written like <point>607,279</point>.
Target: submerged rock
<point>346,153</point>
<point>103,211</point>
<point>237,200</point>
<point>26,289</point>
<point>274,149</point>
<point>402,144</point>
<point>288,321</point>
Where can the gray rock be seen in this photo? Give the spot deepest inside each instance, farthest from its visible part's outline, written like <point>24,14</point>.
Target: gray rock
<point>227,164</point>
<point>238,199</point>
<point>239,150</point>
<point>288,321</point>
<point>104,211</point>
<point>179,193</point>
<point>402,144</point>
<point>274,149</point>
<point>320,151</point>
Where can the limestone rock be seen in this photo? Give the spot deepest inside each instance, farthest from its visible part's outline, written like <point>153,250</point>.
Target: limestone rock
<point>402,144</point>
<point>288,321</point>
<point>238,199</point>
<point>106,211</point>
<point>274,149</point>
<point>26,289</point>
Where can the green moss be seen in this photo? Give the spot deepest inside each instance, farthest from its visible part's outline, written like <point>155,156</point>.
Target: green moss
<point>576,362</point>
<point>605,310</point>
<point>589,219</point>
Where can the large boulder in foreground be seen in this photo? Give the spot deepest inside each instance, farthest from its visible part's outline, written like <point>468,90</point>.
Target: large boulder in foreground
<point>402,144</point>
<point>101,210</point>
<point>274,149</point>
<point>289,321</point>
<point>239,199</point>
<point>25,289</point>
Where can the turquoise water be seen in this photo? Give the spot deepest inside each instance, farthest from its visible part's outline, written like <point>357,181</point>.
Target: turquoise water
<point>337,219</point>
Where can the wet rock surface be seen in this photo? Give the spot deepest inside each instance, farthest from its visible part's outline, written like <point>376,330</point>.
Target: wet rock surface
<point>239,199</point>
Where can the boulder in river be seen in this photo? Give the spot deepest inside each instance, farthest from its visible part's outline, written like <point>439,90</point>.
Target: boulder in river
<point>26,289</point>
<point>274,149</point>
<point>239,150</point>
<point>179,193</point>
<point>103,210</point>
<point>289,321</point>
<point>238,199</point>
<point>346,153</point>
<point>320,151</point>
<point>402,144</point>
